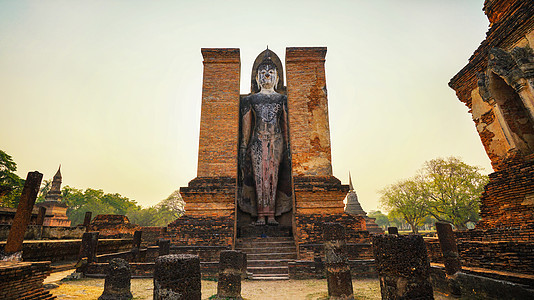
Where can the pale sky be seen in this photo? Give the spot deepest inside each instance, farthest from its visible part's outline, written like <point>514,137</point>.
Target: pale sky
<point>111,90</point>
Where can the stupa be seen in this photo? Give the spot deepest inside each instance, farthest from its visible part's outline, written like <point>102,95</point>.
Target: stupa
<point>353,207</point>
<point>56,211</point>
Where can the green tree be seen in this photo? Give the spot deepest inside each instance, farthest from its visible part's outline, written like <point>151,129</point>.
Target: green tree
<point>174,204</point>
<point>407,198</point>
<point>10,183</point>
<point>96,201</point>
<point>380,219</point>
<point>160,214</point>
<point>454,190</point>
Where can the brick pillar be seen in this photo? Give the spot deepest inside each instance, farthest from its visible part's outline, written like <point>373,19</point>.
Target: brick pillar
<point>308,111</point>
<point>24,213</point>
<point>447,242</point>
<point>177,277</point>
<point>87,220</point>
<point>89,245</point>
<point>41,216</point>
<point>337,268</point>
<point>137,239</point>
<point>317,191</point>
<point>231,264</point>
<point>393,230</point>
<point>117,284</point>
<point>403,266</point>
<point>164,247</point>
<point>212,192</point>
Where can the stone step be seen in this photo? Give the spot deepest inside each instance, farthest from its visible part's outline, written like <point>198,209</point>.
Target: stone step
<point>268,239</point>
<point>271,256</point>
<point>269,231</point>
<point>253,244</point>
<point>269,277</point>
<point>268,250</point>
<point>268,270</point>
<point>268,262</point>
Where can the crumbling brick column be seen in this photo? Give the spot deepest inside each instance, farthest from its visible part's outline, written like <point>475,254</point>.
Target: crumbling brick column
<point>403,267</point>
<point>230,269</point>
<point>177,277</point>
<point>164,247</point>
<point>24,213</point>
<point>117,284</point>
<point>41,216</point>
<point>449,249</point>
<point>337,268</point>
<point>88,247</point>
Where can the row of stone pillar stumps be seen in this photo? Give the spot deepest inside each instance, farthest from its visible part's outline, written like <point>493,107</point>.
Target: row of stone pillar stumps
<point>177,277</point>
<point>402,263</point>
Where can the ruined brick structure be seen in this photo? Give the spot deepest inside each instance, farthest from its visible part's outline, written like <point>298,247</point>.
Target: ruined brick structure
<point>24,280</point>
<point>113,226</point>
<point>497,85</point>
<point>316,195</point>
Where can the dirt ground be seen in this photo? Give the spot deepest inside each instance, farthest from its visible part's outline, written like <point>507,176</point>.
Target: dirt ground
<point>250,289</point>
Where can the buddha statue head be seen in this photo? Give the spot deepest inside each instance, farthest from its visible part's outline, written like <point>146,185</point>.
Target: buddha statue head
<point>271,64</point>
<point>267,77</point>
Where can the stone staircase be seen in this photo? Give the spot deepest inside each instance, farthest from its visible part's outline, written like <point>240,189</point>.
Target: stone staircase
<point>268,257</point>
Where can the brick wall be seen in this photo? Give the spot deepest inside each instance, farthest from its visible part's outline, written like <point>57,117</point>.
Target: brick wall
<point>151,235</point>
<point>201,231</point>
<point>508,199</point>
<point>504,249</point>
<point>310,232</point>
<point>355,251</point>
<point>60,250</point>
<point>24,280</point>
<point>306,269</point>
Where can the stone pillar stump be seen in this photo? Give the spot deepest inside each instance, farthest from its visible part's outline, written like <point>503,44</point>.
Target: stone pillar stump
<point>136,242</point>
<point>117,284</point>
<point>403,267</point>
<point>89,245</point>
<point>164,247</point>
<point>177,277</point>
<point>337,268</point>
<point>231,264</point>
<point>87,220</point>
<point>447,242</point>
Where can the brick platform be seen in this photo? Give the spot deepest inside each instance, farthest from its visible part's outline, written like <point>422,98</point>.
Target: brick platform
<point>24,280</point>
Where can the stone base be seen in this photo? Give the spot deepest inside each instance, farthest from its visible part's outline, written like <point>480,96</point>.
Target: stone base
<point>210,196</point>
<point>319,195</point>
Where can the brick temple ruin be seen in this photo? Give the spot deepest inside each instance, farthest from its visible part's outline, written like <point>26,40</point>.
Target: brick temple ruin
<point>494,261</point>
<point>221,201</point>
